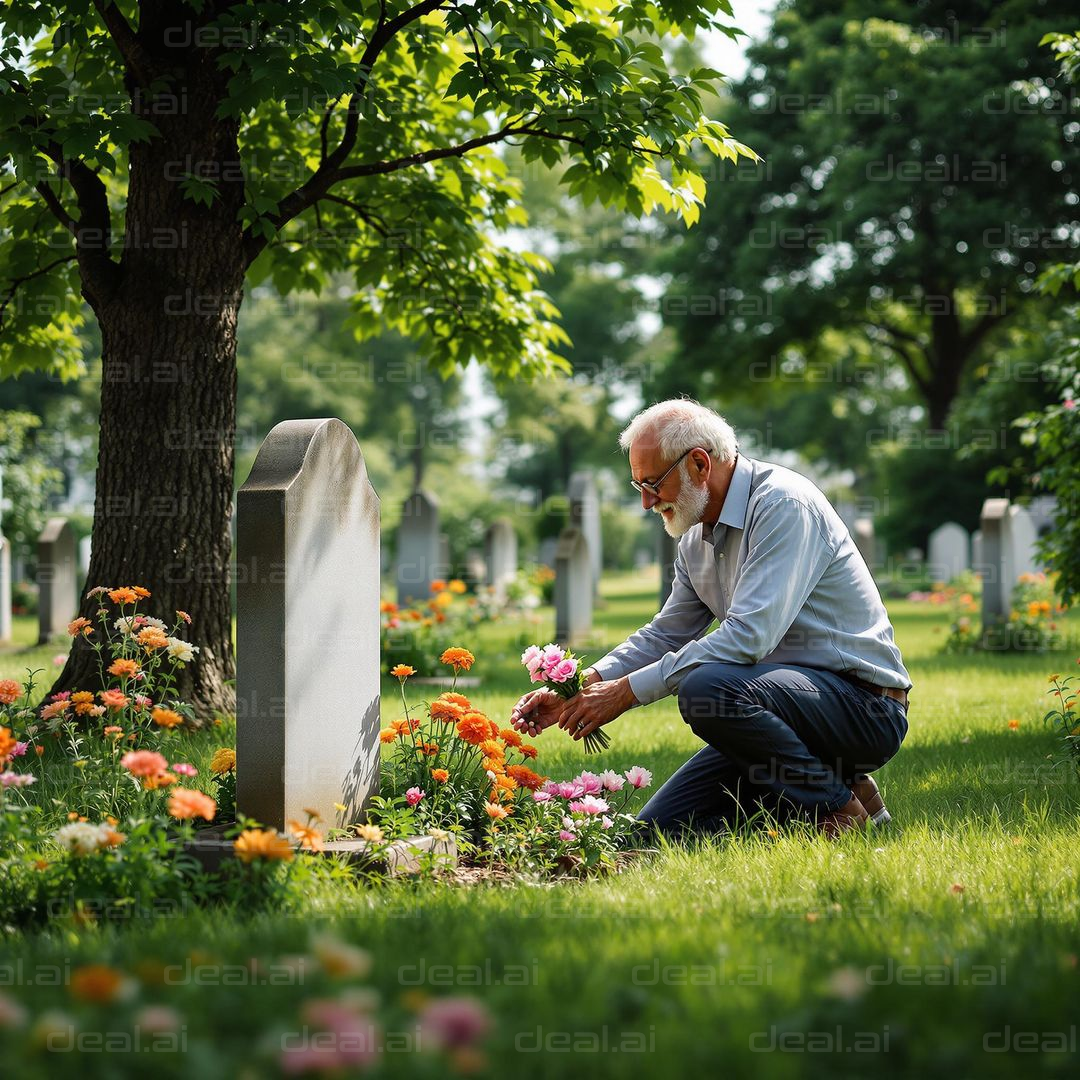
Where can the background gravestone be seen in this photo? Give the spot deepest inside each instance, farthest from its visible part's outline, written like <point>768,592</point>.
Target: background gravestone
<point>84,560</point>
<point>863,535</point>
<point>307,627</point>
<point>585,515</point>
<point>667,547</point>
<point>545,556</point>
<point>573,588</point>
<point>417,547</point>
<point>976,548</point>
<point>1020,555</point>
<point>475,567</point>
<point>500,556</point>
<point>992,562</point>
<point>58,600</point>
<point>442,567</point>
<point>949,552</point>
<point>5,589</point>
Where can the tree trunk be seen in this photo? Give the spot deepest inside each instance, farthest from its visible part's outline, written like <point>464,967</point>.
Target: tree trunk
<point>163,504</point>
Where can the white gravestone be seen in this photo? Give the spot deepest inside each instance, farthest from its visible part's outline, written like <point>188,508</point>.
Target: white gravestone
<point>991,564</point>
<point>1019,550</point>
<point>863,535</point>
<point>976,548</point>
<point>5,589</point>
<point>500,556</point>
<point>58,599</point>
<point>585,515</point>
<point>307,635</point>
<point>442,568</point>
<point>573,588</point>
<point>949,552</point>
<point>417,548</point>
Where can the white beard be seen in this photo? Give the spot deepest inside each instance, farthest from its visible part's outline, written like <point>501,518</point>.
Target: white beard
<point>687,510</point>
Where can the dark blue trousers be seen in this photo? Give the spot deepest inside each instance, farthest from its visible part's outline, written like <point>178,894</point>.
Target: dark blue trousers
<point>788,740</point>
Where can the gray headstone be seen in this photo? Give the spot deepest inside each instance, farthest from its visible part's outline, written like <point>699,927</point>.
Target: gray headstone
<point>667,547</point>
<point>950,551</point>
<point>417,547</point>
<point>573,588</point>
<point>976,548</point>
<point>441,569</point>
<point>307,633</point>
<point>585,515</point>
<point>5,589</point>
<point>500,556</point>
<point>1043,508</point>
<point>863,535</point>
<point>84,557</point>
<point>991,566</point>
<point>475,567</point>
<point>1020,554</point>
<point>546,555</point>
<point>58,599</point>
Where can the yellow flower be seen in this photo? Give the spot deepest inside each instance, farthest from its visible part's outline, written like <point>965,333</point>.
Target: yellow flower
<point>254,844</point>
<point>402,671</point>
<point>371,833</point>
<point>309,838</point>
<point>456,585</point>
<point>223,761</point>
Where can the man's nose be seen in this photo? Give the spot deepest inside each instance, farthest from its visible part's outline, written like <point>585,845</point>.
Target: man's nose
<point>648,499</point>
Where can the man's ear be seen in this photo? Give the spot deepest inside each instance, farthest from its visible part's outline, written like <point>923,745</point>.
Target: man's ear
<point>703,463</point>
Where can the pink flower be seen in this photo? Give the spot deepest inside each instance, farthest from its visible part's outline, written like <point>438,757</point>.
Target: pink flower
<point>570,790</point>
<point>13,779</point>
<point>413,796</point>
<point>550,787</point>
<point>63,695</point>
<point>184,769</point>
<point>563,671</point>
<point>59,660</point>
<point>454,1021</point>
<point>590,783</point>
<point>589,805</point>
<point>1068,403</point>
<point>19,749</point>
<point>611,780</point>
<point>142,701</point>
<point>638,776</point>
<point>542,796</point>
<point>532,657</point>
<point>565,834</point>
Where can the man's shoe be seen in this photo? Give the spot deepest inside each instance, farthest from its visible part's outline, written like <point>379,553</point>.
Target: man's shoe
<point>866,791</point>
<point>853,815</point>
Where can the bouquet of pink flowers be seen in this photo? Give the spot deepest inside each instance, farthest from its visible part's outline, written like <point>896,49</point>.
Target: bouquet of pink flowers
<point>560,670</point>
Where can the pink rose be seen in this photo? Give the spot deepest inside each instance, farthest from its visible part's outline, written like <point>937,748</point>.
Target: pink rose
<point>638,776</point>
<point>562,671</point>
<point>589,805</point>
<point>611,780</point>
<point>542,796</point>
<point>413,796</point>
<point>590,783</point>
<point>565,834</point>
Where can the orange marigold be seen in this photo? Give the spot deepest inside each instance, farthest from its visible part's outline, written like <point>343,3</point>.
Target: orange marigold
<point>495,811</point>
<point>98,983</point>
<point>509,736</point>
<point>402,671</point>
<point>166,718</point>
<point>7,743</point>
<point>493,749</point>
<point>387,735</point>
<point>309,838</point>
<point>10,691</point>
<point>438,585</point>
<point>440,774</point>
<point>529,751</point>
<point>507,783</point>
<point>113,700</point>
<point>456,585</point>
<point>525,776</point>
<point>492,764</point>
<point>152,637</point>
<point>455,699</point>
<point>123,596</point>
<point>152,783</point>
<point>254,844</point>
<point>80,626</point>
<point>185,803</point>
<point>138,590</point>
<point>441,709</point>
<point>458,658</point>
<point>473,728</point>
<point>428,748</point>
<point>122,667</point>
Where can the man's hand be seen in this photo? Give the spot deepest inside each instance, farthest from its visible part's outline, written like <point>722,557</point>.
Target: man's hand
<point>597,704</point>
<point>536,710</point>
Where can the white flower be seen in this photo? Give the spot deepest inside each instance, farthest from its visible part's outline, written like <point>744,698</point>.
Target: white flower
<point>149,620</point>
<point>183,651</point>
<point>82,838</point>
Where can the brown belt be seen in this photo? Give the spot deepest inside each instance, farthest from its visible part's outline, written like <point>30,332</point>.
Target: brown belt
<point>880,691</point>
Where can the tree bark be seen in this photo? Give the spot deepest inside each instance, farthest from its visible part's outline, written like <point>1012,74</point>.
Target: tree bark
<point>163,503</point>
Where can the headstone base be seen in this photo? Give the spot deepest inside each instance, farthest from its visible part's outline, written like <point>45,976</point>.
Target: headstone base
<point>211,848</point>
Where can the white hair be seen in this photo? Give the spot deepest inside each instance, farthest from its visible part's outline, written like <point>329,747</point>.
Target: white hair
<point>680,424</point>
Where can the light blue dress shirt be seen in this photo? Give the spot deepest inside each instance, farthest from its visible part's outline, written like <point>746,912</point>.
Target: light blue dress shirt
<point>781,573</point>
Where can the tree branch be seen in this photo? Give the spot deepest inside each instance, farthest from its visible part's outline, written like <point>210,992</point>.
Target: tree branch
<point>981,328</point>
<point>9,294</point>
<point>127,41</point>
<point>901,350</point>
<point>53,203</point>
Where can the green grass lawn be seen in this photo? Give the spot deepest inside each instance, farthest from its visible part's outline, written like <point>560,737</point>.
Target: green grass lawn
<point>946,945</point>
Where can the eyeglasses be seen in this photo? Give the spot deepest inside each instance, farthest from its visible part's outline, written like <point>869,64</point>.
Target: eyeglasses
<point>653,487</point>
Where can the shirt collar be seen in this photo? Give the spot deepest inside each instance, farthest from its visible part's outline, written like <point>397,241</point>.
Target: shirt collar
<point>733,512</point>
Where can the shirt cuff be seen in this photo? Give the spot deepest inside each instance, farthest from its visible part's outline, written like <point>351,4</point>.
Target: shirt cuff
<point>608,668</point>
<point>648,684</point>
